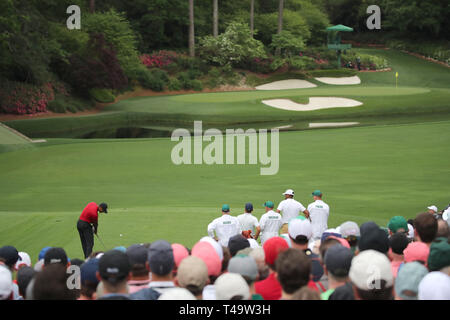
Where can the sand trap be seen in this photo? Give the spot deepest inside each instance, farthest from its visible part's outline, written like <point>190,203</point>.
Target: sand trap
<point>286,84</point>
<point>332,124</point>
<point>283,127</point>
<point>315,103</point>
<point>340,81</point>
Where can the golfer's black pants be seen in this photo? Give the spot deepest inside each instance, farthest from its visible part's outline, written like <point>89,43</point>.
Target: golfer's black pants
<point>86,237</point>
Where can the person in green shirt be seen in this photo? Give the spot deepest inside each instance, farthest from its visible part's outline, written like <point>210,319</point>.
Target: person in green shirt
<point>338,260</point>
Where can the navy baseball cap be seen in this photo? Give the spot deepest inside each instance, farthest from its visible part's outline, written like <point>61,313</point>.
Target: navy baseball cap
<point>160,258</point>
<point>338,260</point>
<point>248,207</point>
<point>10,255</point>
<point>114,266</point>
<point>138,254</point>
<point>89,271</point>
<point>104,206</point>
<point>55,255</point>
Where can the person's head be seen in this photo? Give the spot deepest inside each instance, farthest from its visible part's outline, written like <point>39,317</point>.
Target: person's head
<point>76,262</point>
<point>417,251</point>
<point>268,205</point>
<point>435,286</point>
<point>138,256</point>
<point>373,237</point>
<point>236,243</point>
<point>398,243</point>
<point>443,230</point>
<point>51,284</point>
<point>231,286</point>
<point>408,278</point>
<point>114,270</point>
<point>10,256</point>
<point>432,209</point>
<point>425,227</point>
<point>180,252</point>
<point>193,275</point>
<point>325,245</point>
<point>338,260</point>
<point>56,255</point>
<point>300,231</point>
<point>177,294</point>
<point>89,280</point>
<point>260,259</point>
<point>6,283</point>
<point>103,207</point>
<point>208,254</point>
<point>398,224</point>
<point>350,231</point>
<point>248,207</point>
<point>272,248</point>
<point>317,195</point>
<point>289,193</point>
<point>24,261</point>
<point>226,258</point>
<point>24,276</point>
<point>293,268</point>
<point>245,266</point>
<point>305,293</point>
<point>225,209</point>
<point>439,256</point>
<point>160,259</point>
<point>371,276</point>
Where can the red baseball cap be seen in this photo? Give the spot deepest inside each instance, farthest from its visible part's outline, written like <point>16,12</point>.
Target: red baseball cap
<point>273,247</point>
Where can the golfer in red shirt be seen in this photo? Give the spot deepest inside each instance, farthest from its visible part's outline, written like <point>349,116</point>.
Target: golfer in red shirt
<point>88,224</point>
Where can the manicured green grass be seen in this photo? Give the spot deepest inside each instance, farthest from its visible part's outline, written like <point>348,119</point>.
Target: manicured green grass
<point>365,173</point>
<point>8,137</point>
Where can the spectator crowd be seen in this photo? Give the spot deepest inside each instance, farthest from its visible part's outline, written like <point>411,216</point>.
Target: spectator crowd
<point>299,258</point>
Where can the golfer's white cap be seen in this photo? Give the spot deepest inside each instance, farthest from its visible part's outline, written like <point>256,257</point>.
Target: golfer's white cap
<point>434,208</point>
<point>25,260</point>
<point>6,283</point>
<point>289,192</point>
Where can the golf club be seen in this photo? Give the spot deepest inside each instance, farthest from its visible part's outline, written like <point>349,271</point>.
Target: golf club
<point>101,241</point>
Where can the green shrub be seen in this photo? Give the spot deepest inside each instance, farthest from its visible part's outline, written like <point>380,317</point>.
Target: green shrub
<point>197,85</point>
<point>57,105</point>
<point>102,95</point>
<point>277,64</point>
<point>62,104</point>
<point>302,63</point>
<point>153,80</point>
<point>174,85</point>
<point>160,74</point>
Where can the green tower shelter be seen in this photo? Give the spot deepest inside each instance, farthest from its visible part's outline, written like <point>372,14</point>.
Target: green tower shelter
<point>334,40</point>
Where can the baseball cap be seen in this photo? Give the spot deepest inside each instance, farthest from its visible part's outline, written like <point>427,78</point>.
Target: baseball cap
<point>396,223</point>
<point>114,266</point>
<point>231,285</point>
<point>373,237</point>
<point>88,271</point>
<point>416,251</point>
<point>104,206</point>
<point>10,255</point>
<point>366,226</point>
<point>349,228</point>
<point>236,243</point>
<point>338,260</point>
<point>398,243</point>
<point>272,247</point>
<point>408,278</point>
<point>298,227</point>
<point>342,241</point>
<point>243,265</point>
<point>160,258</point>
<point>288,192</point>
<point>192,271</point>
<point>121,249</point>
<point>206,252</point>
<point>248,207</point>
<point>24,260</point>
<point>268,204</point>
<point>55,255</point>
<point>177,294</point>
<point>317,193</point>
<point>6,283</point>
<point>137,253</point>
<point>439,256</point>
<point>434,208</point>
<point>435,286</point>
<point>216,246</point>
<point>43,252</point>
<point>38,265</point>
<point>179,253</point>
<point>369,267</point>
<point>225,208</point>
<point>410,231</point>
<point>330,233</point>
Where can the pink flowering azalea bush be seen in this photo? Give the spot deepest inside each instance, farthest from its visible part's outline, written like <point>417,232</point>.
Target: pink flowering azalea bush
<point>159,59</point>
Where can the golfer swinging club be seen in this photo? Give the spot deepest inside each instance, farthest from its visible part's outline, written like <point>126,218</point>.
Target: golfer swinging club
<point>87,225</point>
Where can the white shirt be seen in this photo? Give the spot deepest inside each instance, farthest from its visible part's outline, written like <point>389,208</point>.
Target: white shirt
<point>290,209</point>
<point>270,224</point>
<point>225,227</point>
<point>248,222</point>
<point>318,212</point>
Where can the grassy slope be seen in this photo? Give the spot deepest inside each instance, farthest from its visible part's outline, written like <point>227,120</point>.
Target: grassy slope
<point>366,173</point>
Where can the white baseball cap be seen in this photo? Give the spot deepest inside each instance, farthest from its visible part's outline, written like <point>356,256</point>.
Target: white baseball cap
<point>6,283</point>
<point>177,294</point>
<point>349,228</point>
<point>216,246</point>
<point>434,208</point>
<point>369,267</point>
<point>435,286</point>
<point>300,227</point>
<point>289,192</point>
<point>410,231</point>
<point>230,285</point>
<point>25,260</point>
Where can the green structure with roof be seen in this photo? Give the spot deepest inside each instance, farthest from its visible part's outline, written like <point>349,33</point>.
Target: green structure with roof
<point>334,40</point>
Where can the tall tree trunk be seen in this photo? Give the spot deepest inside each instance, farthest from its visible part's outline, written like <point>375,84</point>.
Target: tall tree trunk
<point>280,23</point>
<point>191,29</point>
<point>215,18</point>
<point>252,16</point>
<point>91,6</point>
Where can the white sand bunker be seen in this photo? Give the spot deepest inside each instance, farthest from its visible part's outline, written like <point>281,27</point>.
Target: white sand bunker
<point>332,124</point>
<point>340,81</point>
<point>315,103</point>
<point>286,84</point>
